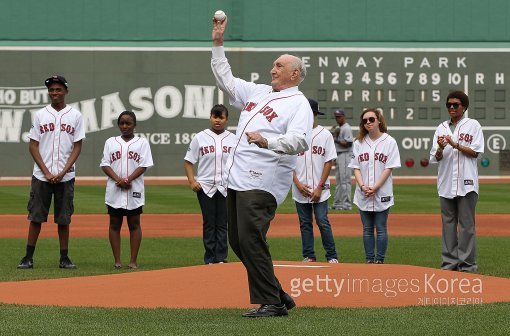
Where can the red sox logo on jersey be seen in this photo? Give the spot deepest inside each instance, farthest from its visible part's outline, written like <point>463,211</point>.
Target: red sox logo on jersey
<point>207,150</point>
<point>249,106</point>
<point>211,149</point>
<point>377,157</point>
<point>51,127</point>
<point>318,150</point>
<point>266,111</point>
<point>117,155</point>
<point>468,138</point>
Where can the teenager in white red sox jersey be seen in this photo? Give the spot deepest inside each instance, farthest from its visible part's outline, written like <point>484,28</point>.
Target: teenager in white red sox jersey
<point>211,148</point>
<point>56,139</point>
<point>375,155</point>
<point>457,144</point>
<point>311,190</point>
<point>125,160</point>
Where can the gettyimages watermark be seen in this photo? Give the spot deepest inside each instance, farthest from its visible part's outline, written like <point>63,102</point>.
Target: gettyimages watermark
<point>431,289</point>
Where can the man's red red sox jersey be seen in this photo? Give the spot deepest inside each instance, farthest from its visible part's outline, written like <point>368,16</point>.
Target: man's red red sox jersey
<point>372,158</point>
<point>310,164</point>
<point>211,151</point>
<point>56,132</point>
<point>458,173</point>
<point>124,157</point>
<point>284,118</point>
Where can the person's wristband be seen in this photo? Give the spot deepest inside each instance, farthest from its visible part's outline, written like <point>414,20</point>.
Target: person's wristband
<point>361,186</point>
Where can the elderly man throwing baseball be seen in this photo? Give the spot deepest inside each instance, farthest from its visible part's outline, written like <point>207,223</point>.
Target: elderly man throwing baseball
<point>275,124</point>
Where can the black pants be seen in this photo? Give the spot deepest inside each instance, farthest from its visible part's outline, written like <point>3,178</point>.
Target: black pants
<point>214,214</point>
<point>249,215</point>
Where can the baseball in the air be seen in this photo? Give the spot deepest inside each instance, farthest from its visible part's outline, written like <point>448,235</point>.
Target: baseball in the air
<point>220,15</point>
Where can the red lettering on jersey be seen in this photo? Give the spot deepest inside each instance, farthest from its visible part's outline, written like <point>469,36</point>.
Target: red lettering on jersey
<point>115,156</point>
<point>268,113</point>
<point>301,154</point>
<point>363,157</point>
<point>468,138</point>
<point>134,156</point>
<point>67,128</point>
<point>226,149</point>
<point>207,150</point>
<point>319,150</point>
<point>266,110</point>
<point>381,157</point>
<point>272,116</point>
<point>46,129</point>
<point>52,127</point>
<point>249,106</point>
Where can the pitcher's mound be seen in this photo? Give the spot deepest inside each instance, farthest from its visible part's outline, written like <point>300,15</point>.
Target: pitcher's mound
<point>225,286</point>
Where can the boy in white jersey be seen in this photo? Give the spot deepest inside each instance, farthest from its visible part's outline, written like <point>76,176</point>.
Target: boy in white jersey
<point>457,144</point>
<point>211,148</point>
<point>55,144</point>
<point>311,189</point>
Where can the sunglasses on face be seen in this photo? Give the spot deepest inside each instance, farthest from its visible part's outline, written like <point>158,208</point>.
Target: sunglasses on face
<point>455,105</point>
<point>366,120</point>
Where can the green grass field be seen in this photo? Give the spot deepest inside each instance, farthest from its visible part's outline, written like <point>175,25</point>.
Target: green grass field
<point>172,199</point>
<point>93,257</point>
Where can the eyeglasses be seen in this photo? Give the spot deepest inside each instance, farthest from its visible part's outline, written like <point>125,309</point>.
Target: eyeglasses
<point>455,105</point>
<point>371,119</point>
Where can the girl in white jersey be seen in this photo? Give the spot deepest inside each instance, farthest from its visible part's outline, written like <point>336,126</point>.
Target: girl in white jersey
<point>125,160</point>
<point>210,148</point>
<point>375,154</point>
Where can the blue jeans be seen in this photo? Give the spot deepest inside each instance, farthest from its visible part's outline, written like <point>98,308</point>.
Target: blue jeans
<point>305,211</point>
<point>377,220</point>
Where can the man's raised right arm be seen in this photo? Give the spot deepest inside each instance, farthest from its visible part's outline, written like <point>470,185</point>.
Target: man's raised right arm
<point>219,62</point>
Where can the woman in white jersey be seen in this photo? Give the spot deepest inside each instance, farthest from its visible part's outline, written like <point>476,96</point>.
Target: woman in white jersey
<point>210,148</point>
<point>375,154</point>
<point>125,160</point>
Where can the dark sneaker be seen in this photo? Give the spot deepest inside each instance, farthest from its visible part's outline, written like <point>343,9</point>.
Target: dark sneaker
<point>66,263</point>
<point>26,263</point>
<point>267,311</point>
<point>309,259</point>
<point>288,301</point>
<point>379,262</point>
<point>370,261</point>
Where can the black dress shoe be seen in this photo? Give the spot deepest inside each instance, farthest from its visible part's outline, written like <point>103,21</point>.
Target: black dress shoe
<point>267,311</point>
<point>288,301</point>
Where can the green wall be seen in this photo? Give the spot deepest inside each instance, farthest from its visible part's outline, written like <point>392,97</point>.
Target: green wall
<point>261,20</point>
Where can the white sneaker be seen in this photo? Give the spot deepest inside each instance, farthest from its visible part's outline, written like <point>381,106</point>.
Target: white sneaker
<point>333,261</point>
<point>309,259</point>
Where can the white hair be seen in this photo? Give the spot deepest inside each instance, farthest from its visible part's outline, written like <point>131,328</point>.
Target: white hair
<point>299,65</point>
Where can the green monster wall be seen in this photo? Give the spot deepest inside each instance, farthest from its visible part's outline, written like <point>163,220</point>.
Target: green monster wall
<point>153,58</point>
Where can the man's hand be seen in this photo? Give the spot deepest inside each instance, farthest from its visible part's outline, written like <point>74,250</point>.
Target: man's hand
<point>218,30</point>
<point>256,138</point>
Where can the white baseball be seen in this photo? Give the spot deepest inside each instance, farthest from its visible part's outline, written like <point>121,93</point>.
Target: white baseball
<point>220,15</point>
